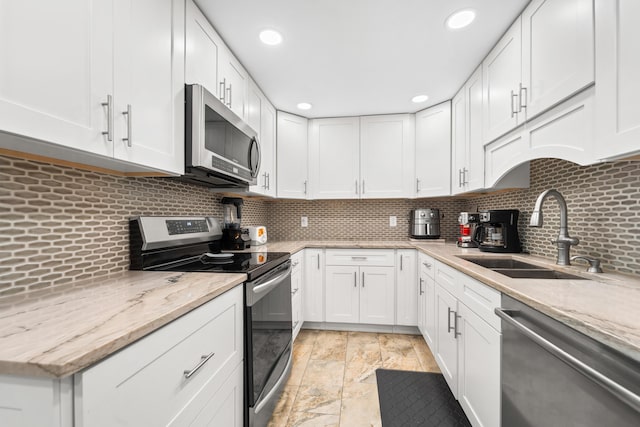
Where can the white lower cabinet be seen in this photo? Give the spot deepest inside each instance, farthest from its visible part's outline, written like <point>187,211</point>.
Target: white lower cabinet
<point>297,291</point>
<point>426,299</point>
<point>313,295</point>
<point>360,286</point>
<point>406,288</point>
<point>467,343</point>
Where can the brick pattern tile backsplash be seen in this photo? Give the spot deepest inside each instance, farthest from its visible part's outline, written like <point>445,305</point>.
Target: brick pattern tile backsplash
<point>59,224</point>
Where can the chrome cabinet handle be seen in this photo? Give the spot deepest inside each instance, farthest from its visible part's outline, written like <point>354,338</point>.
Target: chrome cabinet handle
<point>295,325</point>
<point>426,264</point>
<point>223,90</point>
<point>401,262</point>
<point>356,186</point>
<point>355,279</point>
<point>230,92</point>
<point>513,108</point>
<point>294,292</point>
<point>363,186</point>
<point>268,181</point>
<point>318,261</point>
<point>204,359</point>
<point>622,393</point>
<point>417,185</point>
<point>522,105</point>
<point>129,138</point>
<point>358,258</point>
<point>363,279</point>
<point>465,172</point>
<point>421,281</point>
<point>449,327</point>
<point>305,186</point>
<point>456,334</point>
<point>109,105</point>
<point>459,177</point>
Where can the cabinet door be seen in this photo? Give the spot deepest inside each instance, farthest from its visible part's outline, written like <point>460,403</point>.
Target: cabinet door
<point>266,183</point>
<point>149,83</point>
<point>479,369</point>
<point>433,156</point>
<point>202,52</point>
<point>429,333</point>
<point>236,83</point>
<point>458,141</point>
<point>342,294</point>
<point>334,158</point>
<point>474,152</point>
<point>406,288</point>
<point>313,295</point>
<point>57,70</point>
<point>254,107</point>
<point>618,68</point>
<point>557,52</point>
<point>501,73</point>
<point>292,156</point>
<point>296,300</point>
<point>387,148</point>
<point>377,295</point>
<point>446,342</point>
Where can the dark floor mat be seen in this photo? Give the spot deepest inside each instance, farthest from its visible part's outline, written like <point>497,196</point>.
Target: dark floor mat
<point>417,399</point>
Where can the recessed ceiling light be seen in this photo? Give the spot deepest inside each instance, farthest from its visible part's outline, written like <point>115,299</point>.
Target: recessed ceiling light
<point>304,106</point>
<point>271,37</point>
<point>461,19</point>
<point>419,98</point>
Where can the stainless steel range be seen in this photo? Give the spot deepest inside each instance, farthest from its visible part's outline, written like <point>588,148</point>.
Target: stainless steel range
<point>193,244</point>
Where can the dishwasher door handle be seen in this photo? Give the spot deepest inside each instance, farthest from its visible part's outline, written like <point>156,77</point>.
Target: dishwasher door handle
<point>622,393</point>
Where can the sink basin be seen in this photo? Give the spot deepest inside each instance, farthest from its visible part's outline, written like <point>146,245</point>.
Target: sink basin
<point>536,274</point>
<point>501,263</point>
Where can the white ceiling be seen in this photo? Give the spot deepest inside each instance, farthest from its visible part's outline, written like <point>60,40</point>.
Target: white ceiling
<point>359,57</point>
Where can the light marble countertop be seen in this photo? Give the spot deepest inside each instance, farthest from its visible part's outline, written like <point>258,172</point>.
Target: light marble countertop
<point>605,307</point>
<point>61,331</point>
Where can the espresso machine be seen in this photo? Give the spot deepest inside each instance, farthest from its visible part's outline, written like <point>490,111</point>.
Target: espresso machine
<point>497,231</point>
<point>234,237</point>
<point>468,223</point>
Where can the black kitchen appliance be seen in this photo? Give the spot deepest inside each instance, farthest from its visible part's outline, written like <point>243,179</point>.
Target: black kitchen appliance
<point>193,244</point>
<point>234,237</point>
<point>497,231</point>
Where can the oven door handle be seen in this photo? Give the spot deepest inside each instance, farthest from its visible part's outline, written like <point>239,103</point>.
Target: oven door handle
<point>271,283</point>
<point>627,396</point>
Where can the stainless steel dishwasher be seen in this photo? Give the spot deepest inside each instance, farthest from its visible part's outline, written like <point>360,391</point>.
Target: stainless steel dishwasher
<point>553,375</point>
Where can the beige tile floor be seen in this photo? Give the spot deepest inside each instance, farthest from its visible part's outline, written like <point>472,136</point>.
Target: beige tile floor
<point>333,380</point>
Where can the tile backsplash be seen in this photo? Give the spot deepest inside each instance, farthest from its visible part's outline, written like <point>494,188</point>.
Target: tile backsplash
<point>59,224</point>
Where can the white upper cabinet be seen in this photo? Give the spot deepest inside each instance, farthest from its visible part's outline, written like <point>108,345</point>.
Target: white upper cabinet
<point>433,153</point>
<point>544,58</point>
<point>501,75</point>
<point>254,106</point>
<point>149,83</point>
<point>334,158</point>
<point>57,71</point>
<point>557,52</point>
<point>386,156</point>
<point>618,85</point>
<point>202,53</point>
<point>292,150</point>
<point>467,173</point>
<point>235,81</point>
<point>266,183</point>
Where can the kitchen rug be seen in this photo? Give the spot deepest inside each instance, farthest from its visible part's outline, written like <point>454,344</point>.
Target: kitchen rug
<point>410,398</point>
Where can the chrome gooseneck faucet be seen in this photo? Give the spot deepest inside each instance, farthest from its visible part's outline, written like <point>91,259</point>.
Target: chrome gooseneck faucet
<point>563,241</point>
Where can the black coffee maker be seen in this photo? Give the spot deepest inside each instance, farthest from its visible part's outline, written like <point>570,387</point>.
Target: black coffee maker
<point>234,237</point>
<point>497,231</point>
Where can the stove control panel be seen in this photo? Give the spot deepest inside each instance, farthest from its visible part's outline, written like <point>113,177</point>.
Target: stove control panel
<point>186,226</point>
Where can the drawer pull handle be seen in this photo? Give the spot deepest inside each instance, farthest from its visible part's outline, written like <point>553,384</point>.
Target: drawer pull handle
<point>203,360</point>
<point>426,264</point>
<point>294,292</point>
<point>359,258</point>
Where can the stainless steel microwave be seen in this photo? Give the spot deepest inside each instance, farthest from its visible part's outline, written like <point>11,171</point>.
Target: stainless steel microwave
<point>221,149</point>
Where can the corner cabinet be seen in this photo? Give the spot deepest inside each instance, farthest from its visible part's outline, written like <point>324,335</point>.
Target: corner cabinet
<point>387,152</point>
<point>433,156</point>
<point>292,152</point>
<point>188,372</point>
<point>118,88</point>
<point>467,343</point>
<point>618,87</point>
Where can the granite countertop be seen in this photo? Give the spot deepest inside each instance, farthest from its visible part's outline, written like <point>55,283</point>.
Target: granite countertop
<point>58,332</point>
<point>605,307</point>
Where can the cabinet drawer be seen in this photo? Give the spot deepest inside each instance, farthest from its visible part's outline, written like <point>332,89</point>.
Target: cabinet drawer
<point>296,261</point>
<point>360,257</point>
<point>145,383</point>
<point>427,265</point>
<point>481,299</point>
<point>448,278</point>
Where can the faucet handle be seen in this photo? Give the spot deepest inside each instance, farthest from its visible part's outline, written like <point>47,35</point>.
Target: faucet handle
<point>568,240</point>
<point>594,263</point>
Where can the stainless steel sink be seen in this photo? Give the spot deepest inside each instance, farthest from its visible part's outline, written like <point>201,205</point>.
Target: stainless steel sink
<point>519,269</point>
<point>536,274</point>
<point>500,263</point>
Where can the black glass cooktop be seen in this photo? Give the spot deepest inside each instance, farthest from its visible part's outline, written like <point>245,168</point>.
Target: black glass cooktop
<point>253,264</point>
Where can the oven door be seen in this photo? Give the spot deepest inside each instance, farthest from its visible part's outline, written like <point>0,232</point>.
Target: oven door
<point>268,341</point>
